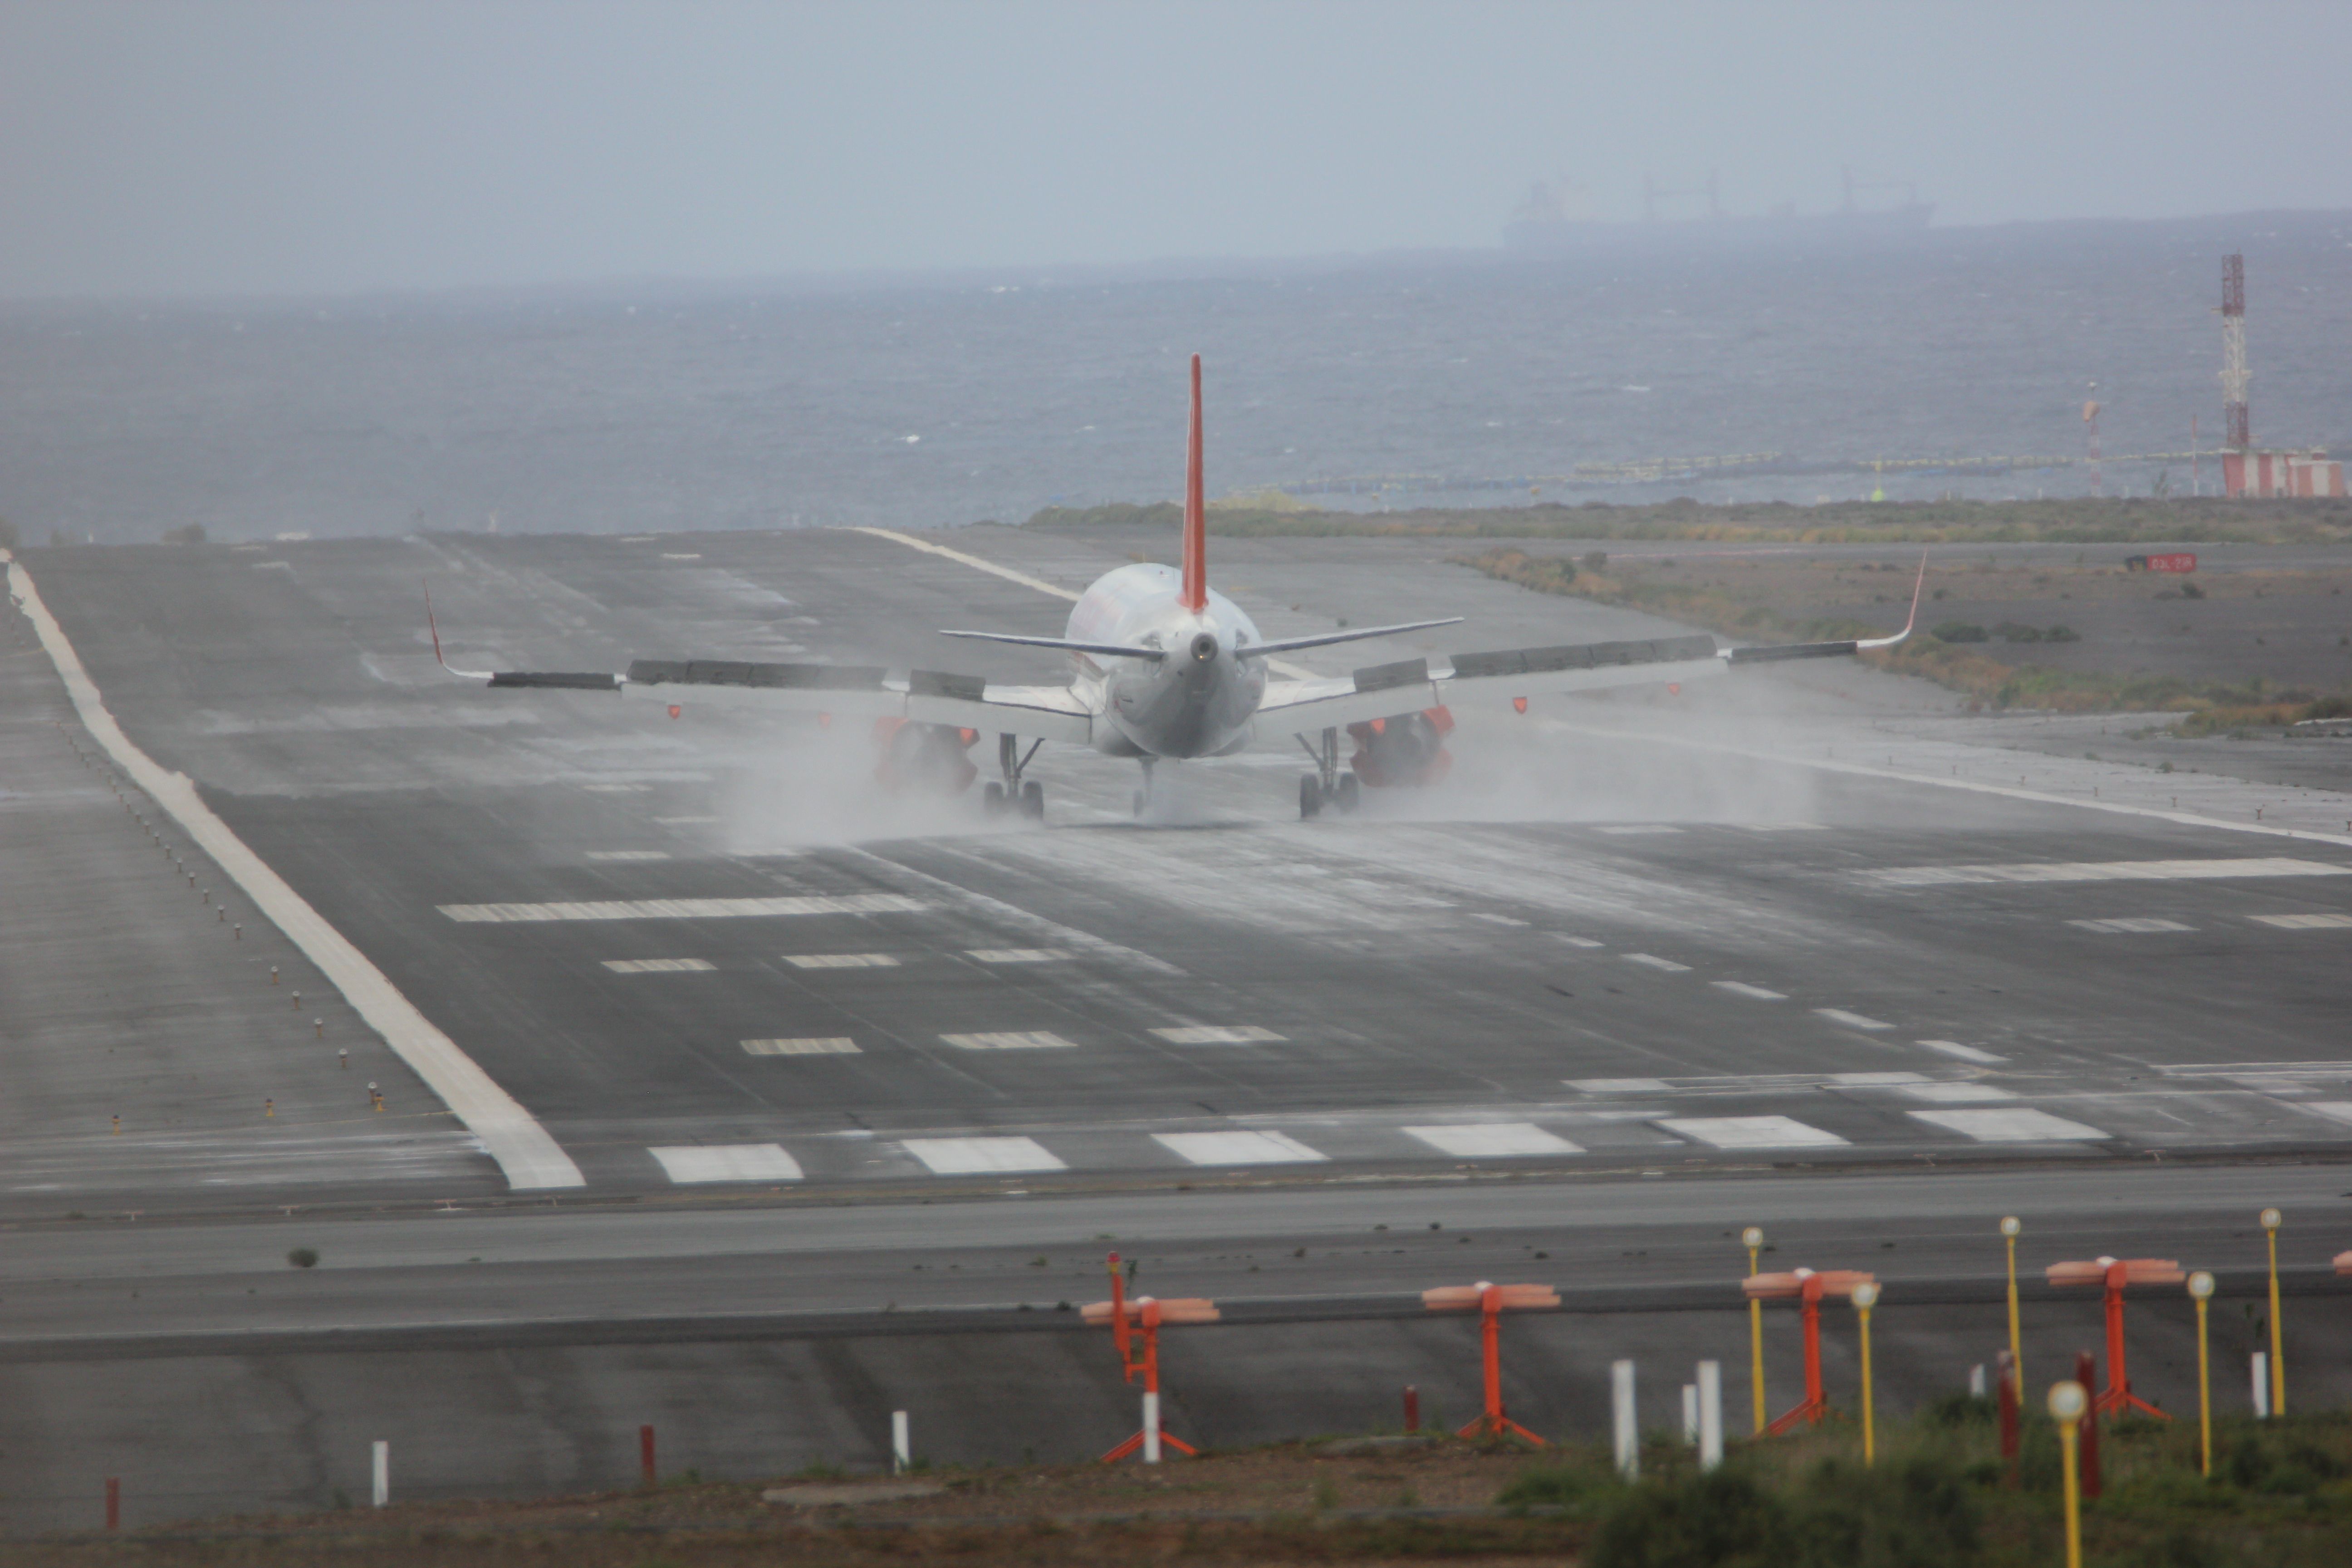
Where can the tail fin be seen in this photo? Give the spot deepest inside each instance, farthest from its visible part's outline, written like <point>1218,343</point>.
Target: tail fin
<point>1196,518</point>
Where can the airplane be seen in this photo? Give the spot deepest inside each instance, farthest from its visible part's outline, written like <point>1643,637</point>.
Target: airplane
<point>1167,670</point>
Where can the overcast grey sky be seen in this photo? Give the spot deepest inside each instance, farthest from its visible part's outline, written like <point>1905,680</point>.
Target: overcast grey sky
<point>195,148</point>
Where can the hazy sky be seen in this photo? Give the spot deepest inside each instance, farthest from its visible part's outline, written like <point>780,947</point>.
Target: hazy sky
<point>194,148</point>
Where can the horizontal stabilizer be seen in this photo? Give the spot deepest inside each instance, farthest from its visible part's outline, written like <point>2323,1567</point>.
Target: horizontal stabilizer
<point>1776,653</point>
<point>1325,639</point>
<point>1107,649</point>
<point>571,680</point>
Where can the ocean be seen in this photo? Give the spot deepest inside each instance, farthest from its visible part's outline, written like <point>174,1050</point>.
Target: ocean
<point>1468,378</point>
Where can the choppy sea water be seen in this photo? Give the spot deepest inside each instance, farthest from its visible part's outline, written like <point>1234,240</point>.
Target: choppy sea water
<point>1468,379</point>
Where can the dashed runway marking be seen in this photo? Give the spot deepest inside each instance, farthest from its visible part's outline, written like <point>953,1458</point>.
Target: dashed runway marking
<point>1650,960</point>
<point>1029,1040</point>
<point>685,821</point>
<point>2334,1110</point>
<point>1959,1093</point>
<point>1239,1147</point>
<point>1617,1085</point>
<point>1959,1052</point>
<point>2131,923</point>
<point>1017,955</point>
<point>1633,827</point>
<point>1497,920</point>
<point>629,853</point>
<point>2307,923</point>
<point>1851,1020</point>
<point>1212,1034</point>
<point>617,788</point>
<point>2107,871</point>
<point>685,909</point>
<point>1579,942</point>
<point>1741,988</point>
<point>660,966</point>
<point>841,960</point>
<point>728,1163</point>
<point>1493,1141</point>
<point>811,1045</point>
<point>1752,1132</point>
<point>1875,1080</point>
<point>2010,1126</point>
<point>978,1156</point>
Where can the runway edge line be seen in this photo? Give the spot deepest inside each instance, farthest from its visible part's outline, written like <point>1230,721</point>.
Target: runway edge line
<point>528,1156</point>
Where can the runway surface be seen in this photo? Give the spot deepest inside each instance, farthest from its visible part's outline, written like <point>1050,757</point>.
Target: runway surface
<point>1798,947</point>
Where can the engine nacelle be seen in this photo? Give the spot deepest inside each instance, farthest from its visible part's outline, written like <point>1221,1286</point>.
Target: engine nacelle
<point>926,757</point>
<point>1407,751</point>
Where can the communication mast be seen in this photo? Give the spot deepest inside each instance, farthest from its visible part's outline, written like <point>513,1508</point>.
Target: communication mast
<point>2091,435</point>
<point>2235,427</point>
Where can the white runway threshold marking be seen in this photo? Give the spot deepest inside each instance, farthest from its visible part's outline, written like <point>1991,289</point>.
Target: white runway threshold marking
<point>526,1155</point>
<point>629,853</point>
<point>685,909</point>
<point>2131,924</point>
<point>981,1157</point>
<point>1021,1040</point>
<point>811,1045</point>
<point>2103,871</point>
<point>1959,1093</point>
<point>1741,988</point>
<point>692,1163</point>
<point>1239,1147</point>
<point>1852,1020</point>
<point>660,966</point>
<point>2010,1126</point>
<point>2307,923</point>
<point>841,960</point>
<point>1959,1052</point>
<point>1213,1035</point>
<point>1752,1132</point>
<point>1618,1085</point>
<point>1017,955</point>
<point>1493,1141</point>
<point>1649,961</point>
<point>2334,1110</point>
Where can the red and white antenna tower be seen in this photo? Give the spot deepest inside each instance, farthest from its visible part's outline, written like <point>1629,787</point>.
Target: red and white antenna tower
<point>2235,429</point>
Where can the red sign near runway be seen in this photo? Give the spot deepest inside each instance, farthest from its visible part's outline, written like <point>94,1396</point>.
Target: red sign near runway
<point>2184,561</point>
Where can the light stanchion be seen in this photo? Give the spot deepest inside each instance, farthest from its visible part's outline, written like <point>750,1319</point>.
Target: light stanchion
<point>1865,1297</point>
<point>2270,1221</point>
<point>2068,1400</point>
<point>2114,1274</point>
<point>2011,1229</point>
<point>1808,1288</point>
<point>1753,1239</point>
<point>2200,1290</point>
<point>1490,1302</point>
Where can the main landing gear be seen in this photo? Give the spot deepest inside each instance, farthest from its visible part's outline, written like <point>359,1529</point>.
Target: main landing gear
<point>1027,798</point>
<point>1328,785</point>
<point>1143,796</point>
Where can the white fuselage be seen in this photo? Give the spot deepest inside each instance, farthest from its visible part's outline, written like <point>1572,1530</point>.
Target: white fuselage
<point>1198,700</point>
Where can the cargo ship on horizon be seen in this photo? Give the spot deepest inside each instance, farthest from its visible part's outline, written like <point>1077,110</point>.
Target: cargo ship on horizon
<point>1549,218</point>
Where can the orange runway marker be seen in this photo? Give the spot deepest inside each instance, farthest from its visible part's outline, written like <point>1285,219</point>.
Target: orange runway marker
<point>1490,1302</point>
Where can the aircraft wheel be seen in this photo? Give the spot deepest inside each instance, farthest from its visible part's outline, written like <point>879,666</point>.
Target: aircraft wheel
<point>1311,796</point>
<point>1032,801</point>
<point>1347,792</point>
<point>992,800</point>
<point>1140,803</point>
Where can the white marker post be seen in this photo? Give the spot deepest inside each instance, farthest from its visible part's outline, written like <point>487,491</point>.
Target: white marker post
<point>1150,1428</point>
<point>1690,1415</point>
<point>2261,1385</point>
<point>1710,1415</point>
<point>1976,1381</point>
<point>382,1468</point>
<point>901,1446</point>
<point>1621,1419</point>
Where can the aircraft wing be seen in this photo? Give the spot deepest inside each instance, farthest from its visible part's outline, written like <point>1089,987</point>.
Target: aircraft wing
<point>922,696</point>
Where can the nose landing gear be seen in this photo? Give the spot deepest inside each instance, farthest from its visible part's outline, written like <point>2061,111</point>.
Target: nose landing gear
<point>1328,785</point>
<point>1025,797</point>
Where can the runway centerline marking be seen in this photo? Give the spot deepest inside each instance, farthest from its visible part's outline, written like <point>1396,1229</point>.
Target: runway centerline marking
<point>1752,1132</point>
<point>1851,1020</point>
<point>1493,1140</point>
<point>1017,955</point>
<point>1580,942</point>
<point>660,966</point>
<point>981,1157</point>
<point>1629,828</point>
<point>692,1163</point>
<point>1741,988</point>
<point>2307,923</point>
<point>2010,1126</point>
<point>1239,1147</point>
<point>1876,1080</point>
<point>2103,871</point>
<point>1959,1093</point>
<point>812,1046</point>
<point>1959,1052</point>
<point>687,909</point>
<point>1497,920</point>
<point>2131,924</point>
<point>1213,1035</point>
<point>1012,1040</point>
<point>629,853</point>
<point>1618,1085</point>
<point>841,960</point>
<point>526,1155</point>
<point>1651,960</point>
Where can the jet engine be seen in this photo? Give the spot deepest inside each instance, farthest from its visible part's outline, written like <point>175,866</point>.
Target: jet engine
<point>1406,751</point>
<point>924,757</point>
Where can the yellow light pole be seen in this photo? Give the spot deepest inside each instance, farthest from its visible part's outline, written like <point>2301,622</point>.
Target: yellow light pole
<point>2010,1226</point>
<point>1753,1239</point>
<point>2270,1220</point>
<point>1865,1297</point>
<point>2067,1402</point>
<point>2200,1290</point>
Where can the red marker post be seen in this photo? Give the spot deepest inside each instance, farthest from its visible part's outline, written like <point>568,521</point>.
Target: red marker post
<point>1490,1302</point>
<point>1134,1324</point>
<point>2115,1274</point>
<point>1808,1288</point>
